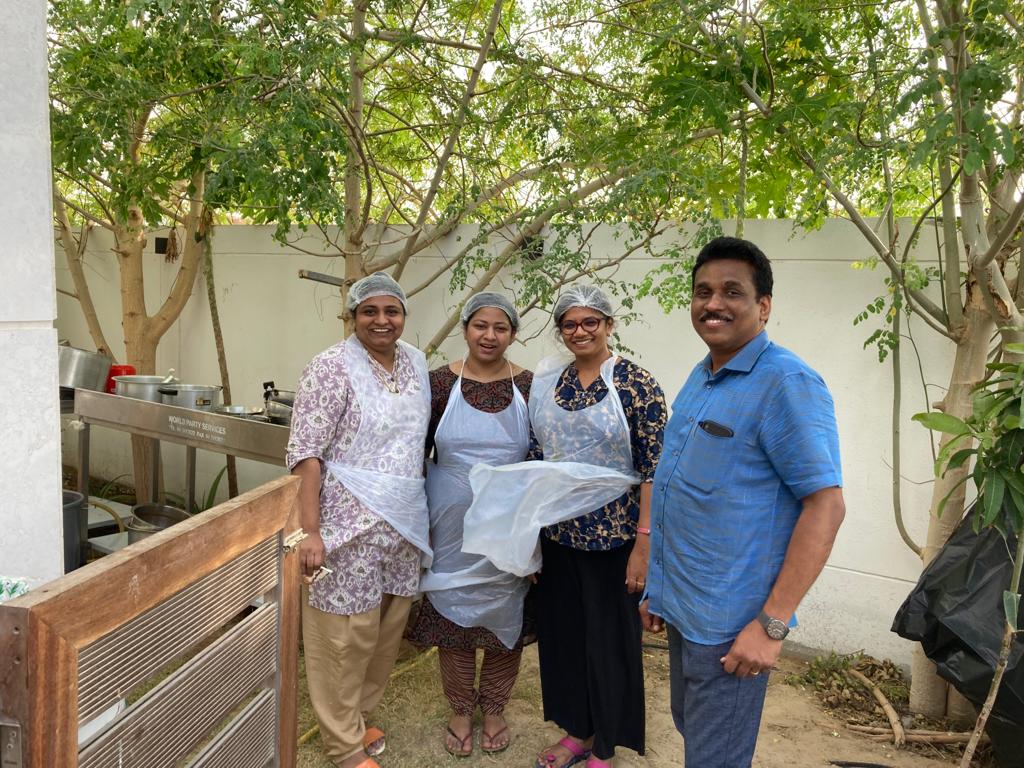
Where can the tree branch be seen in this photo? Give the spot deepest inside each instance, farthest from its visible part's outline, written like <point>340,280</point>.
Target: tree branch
<point>453,136</point>
<point>922,304</point>
<point>74,253</point>
<point>191,256</point>
<point>506,255</point>
<point>1002,236</point>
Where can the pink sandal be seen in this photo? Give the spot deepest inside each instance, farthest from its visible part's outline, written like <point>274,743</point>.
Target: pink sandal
<point>579,754</point>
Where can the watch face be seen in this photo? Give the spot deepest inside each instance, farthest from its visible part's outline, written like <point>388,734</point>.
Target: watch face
<point>776,629</point>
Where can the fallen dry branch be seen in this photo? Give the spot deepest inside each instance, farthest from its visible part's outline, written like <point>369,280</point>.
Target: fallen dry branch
<point>877,733</point>
<point>898,736</point>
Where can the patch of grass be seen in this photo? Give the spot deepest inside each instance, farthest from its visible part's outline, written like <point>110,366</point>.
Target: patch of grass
<point>824,670</point>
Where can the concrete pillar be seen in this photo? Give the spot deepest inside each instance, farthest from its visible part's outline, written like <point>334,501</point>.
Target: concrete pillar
<point>30,481</point>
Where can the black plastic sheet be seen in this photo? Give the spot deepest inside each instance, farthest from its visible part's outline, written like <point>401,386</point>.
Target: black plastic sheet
<point>956,613</point>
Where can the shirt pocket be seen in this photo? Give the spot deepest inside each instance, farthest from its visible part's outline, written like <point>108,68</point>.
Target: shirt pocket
<point>704,460</point>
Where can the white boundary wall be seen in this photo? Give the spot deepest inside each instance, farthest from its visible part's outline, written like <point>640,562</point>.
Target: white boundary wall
<point>30,498</point>
<point>274,322</point>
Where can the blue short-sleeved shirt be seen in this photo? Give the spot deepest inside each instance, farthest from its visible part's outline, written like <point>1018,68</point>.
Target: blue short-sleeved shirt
<point>724,507</point>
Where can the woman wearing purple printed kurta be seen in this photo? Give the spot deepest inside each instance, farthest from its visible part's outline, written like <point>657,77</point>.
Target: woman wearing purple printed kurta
<point>357,442</point>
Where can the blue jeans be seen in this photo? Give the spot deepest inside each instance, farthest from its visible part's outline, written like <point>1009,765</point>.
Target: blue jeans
<point>717,714</point>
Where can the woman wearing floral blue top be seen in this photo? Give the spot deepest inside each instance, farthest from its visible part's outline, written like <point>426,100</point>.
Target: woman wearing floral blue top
<point>595,564</point>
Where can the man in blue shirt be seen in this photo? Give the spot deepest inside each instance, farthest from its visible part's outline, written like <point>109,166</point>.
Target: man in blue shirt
<point>746,505</point>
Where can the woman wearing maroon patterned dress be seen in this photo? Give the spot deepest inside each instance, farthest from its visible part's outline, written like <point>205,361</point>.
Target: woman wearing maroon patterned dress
<point>478,415</point>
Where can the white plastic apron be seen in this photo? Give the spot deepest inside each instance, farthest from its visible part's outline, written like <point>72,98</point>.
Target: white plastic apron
<point>466,588</point>
<point>588,462</point>
<point>383,467</point>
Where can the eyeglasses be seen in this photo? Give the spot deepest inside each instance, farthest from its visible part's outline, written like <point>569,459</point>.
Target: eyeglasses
<point>588,324</point>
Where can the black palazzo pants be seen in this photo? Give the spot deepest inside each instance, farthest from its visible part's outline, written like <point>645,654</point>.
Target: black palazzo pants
<point>589,643</point>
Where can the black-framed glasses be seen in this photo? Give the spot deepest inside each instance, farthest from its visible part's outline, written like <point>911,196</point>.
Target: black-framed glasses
<point>588,324</point>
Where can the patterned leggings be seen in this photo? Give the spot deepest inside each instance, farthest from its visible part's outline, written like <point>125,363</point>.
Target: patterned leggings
<point>498,674</point>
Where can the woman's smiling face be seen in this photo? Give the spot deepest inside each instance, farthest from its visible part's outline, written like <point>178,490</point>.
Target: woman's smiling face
<point>488,334</point>
<point>588,333</point>
<point>379,322</point>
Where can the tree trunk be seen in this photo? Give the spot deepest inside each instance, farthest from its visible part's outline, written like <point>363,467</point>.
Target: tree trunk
<point>218,339</point>
<point>928,692</point>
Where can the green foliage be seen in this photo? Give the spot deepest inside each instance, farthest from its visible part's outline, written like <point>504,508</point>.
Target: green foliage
<point>994,438</point>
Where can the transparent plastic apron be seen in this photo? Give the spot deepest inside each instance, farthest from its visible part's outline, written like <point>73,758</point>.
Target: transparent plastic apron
<point>588,462</point>
<point>466,588</point>
<point>383,467</point>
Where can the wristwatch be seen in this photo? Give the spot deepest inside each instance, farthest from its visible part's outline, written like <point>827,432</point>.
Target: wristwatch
<point>776,629</point>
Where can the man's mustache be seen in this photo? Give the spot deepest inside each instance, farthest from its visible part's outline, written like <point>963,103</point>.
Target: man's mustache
<point>714,316</point>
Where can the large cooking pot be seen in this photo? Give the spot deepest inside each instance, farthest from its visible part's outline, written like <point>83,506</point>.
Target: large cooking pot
<point>81,369</point>
<point>140,387</point>
<point>198,397</point>
<point>278,413</point>
<point>147,519</point>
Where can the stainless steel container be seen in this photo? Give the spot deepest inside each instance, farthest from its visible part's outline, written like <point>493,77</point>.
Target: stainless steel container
<point>198,397</point>
<point>278,413</point>
<point>81,369</point>
<point>140,387</point>
<point>147,519</point>
<point>241,411</point>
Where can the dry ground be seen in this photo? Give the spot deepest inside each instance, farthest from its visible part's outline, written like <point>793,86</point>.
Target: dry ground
<point>796,730</point>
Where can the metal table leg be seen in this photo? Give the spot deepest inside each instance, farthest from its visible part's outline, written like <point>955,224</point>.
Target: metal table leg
<point>155,453</point>
<point>83,488</point>
<point>190,479</point>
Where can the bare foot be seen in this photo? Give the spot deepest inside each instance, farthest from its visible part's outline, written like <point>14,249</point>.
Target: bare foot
<point>458,737</point>
<point>558,755</point>
<point>494,734</point>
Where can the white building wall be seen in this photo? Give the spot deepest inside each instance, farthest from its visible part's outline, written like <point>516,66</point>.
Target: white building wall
<point>274,322</point>
<point>30,495</point>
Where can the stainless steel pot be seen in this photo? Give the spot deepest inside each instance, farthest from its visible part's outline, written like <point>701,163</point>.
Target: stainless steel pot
<point>140,387</point>
<point>81,369</point>
<point>198,397</point>
<point>147,519</point>
<point>241,411</point>
<point>283,396</point>
<point>278,413</point>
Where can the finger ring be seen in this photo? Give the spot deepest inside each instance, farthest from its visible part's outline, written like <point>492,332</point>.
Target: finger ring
<point>755,674</point>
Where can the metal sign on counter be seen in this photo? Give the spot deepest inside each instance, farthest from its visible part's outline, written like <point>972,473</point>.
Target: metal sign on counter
<point>198,429</point>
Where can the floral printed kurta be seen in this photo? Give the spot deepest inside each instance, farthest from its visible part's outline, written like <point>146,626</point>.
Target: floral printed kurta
<point>373,559</point>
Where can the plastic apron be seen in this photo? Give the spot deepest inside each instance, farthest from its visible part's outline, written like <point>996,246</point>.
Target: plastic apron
<point>465,588</point>
<point>588,462</point>
<point>383,468</point>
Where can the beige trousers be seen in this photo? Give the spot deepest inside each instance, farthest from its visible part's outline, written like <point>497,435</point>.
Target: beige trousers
<point>348,661</point>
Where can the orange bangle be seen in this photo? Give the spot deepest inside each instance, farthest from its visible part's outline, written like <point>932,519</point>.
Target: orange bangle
<point>644,531</point>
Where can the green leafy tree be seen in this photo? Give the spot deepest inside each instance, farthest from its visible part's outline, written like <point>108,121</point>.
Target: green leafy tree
<point>528,123</point>
<point>901,109</point>
<point>149,101</point>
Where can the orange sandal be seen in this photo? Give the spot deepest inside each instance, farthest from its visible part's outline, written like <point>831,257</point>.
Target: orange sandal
<point>373,742</point>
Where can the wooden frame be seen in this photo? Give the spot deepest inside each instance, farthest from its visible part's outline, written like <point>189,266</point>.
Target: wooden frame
<point>43,633</point>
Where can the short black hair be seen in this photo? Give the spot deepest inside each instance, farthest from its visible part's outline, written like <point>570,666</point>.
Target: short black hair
<point>738,250</point>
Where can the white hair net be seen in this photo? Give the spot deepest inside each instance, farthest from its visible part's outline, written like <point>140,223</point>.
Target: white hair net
<point>489,299</point>
<point>584,295</point>
<point>377,284</point>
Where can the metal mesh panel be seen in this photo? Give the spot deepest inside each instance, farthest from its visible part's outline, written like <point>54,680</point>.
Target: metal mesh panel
<point>116,663</point>
<point>249,739</point>
<point>179,713</point>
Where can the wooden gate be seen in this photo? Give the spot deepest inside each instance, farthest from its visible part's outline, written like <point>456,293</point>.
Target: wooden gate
<point>178,650</point>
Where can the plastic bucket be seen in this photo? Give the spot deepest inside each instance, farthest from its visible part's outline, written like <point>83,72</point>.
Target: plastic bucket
<point>147,519</point>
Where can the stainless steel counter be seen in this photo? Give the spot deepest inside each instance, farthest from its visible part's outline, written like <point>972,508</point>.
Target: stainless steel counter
<point>228,435</point>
